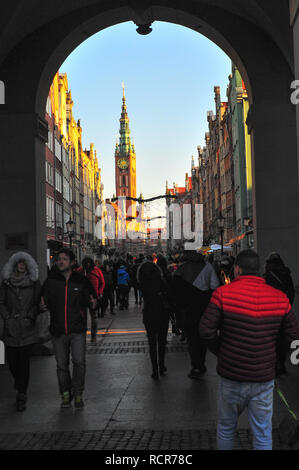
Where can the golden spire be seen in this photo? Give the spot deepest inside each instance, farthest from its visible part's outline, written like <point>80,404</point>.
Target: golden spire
<point>123,87</point>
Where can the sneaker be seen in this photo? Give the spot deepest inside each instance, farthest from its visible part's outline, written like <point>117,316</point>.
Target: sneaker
<point>21,402</point>
<point>79,403</point>
<point>66,400</point>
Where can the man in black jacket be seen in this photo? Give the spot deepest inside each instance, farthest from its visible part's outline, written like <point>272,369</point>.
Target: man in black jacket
<point>193,284</point>
<point>67,294</point>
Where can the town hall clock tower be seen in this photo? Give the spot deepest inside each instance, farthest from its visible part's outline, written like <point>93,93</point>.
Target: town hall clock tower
<point>125,159</point>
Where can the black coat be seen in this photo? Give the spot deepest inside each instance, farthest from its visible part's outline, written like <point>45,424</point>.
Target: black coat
<point>154,294</point>
<point>19,308</point>
<point>67,302</point>
<point>279,276</point>
<point>190,301</point>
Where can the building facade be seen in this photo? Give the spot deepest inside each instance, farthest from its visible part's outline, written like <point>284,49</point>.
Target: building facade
<point>222,179</point>
<point>73,178</point>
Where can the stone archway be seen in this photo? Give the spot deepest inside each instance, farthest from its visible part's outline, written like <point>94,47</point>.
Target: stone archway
<point>250,35</point>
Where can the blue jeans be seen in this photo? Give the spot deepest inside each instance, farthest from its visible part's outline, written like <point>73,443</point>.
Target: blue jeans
<point>233,397</point>
<point>74,343</point>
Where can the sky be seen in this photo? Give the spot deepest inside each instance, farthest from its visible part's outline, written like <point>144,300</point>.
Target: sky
<point>169,78</point>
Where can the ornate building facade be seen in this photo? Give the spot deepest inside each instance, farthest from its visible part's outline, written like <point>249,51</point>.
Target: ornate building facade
<point>73,177</point>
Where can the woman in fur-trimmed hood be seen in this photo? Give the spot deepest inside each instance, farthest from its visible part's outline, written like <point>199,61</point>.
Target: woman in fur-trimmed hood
<point>19,306</point>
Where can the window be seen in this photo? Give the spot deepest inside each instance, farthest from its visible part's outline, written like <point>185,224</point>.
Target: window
<point>65,157</point>
<point>49,173</point>
<point>58,183</point>
<point>58,215</point>
<point>57,149</point>
<point>50,140</point>
<point>66,189</point>
<point>50,212</point>
<point>66,218</point>
<point>49,107</point>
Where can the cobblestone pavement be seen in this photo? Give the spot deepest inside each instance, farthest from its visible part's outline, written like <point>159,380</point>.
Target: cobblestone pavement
<point>126,440</point>
<point>124,408</point>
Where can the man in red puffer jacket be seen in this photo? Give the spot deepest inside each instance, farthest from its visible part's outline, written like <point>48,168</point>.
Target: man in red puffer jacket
<point>242,325</point>
<point>95,275</point>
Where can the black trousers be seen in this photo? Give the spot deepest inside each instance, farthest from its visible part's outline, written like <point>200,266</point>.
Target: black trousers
<point>123,291</point>
<point>197,348</point>
<point>157,335</point>
<point>18,360</point>
<point>108,298</point>
<point>137,294</point>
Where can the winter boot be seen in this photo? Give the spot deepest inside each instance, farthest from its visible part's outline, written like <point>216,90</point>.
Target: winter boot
<point>79,403</point>
<point>66,400</point>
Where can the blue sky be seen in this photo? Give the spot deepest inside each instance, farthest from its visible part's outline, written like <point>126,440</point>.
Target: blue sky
<point>169,79</point>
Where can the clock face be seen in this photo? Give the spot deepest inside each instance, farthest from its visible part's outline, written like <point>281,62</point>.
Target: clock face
<point>123,163</point>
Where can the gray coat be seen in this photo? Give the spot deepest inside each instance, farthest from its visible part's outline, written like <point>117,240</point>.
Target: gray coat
<point>19,306</point>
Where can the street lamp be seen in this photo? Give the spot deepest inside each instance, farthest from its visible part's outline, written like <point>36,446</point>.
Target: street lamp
<point>220,223</point>
<point>70,232</point>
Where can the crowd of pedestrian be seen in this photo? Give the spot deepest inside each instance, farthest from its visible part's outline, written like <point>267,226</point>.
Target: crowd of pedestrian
<point>227,306</point>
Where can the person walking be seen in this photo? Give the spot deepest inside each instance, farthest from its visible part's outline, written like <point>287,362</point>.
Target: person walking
<point>108,294</point>
<point>19,307</point>
<point>155,313</point>
<point>123,280</point>
<point>241,325</point>
<point>193,284</point>
<point>278,275</point>
<point>67,294</point>
<point>95,275</point>
<point>133,280</point>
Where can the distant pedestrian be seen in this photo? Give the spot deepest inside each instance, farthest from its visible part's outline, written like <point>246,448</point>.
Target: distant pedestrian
<point>95,275</point>
<point>226,270</point>
<point>123,280</point>
<point>170,305</point>
<point>241,326</point>
<point>19,307</point>
<point>67,294</point>
<point>155,313</point>
<point>108,294</point>
<point>193,284</point>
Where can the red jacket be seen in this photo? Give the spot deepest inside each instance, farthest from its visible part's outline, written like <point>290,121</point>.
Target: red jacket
<point>96,278</point>
<point>250,316</point>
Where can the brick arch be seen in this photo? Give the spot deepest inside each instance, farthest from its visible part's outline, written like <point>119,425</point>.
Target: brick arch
<point>256,39</point>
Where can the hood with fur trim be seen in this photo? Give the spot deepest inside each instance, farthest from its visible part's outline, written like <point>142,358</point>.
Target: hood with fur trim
<point>31,264</point>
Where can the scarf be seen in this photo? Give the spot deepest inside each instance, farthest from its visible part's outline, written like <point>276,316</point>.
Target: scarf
<point>20,280</point>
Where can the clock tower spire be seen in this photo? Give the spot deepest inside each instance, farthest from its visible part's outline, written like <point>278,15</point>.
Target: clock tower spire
<point>125,158</point>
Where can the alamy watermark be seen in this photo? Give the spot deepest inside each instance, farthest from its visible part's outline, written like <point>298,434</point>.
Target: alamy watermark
<point>2,353</point>
<point>295,93</point>
<point>2,92</point>
<point>119,222</point>
<point>294,358</point>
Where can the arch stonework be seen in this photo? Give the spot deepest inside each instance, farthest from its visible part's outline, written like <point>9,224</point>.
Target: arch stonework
<point>256,37</point>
